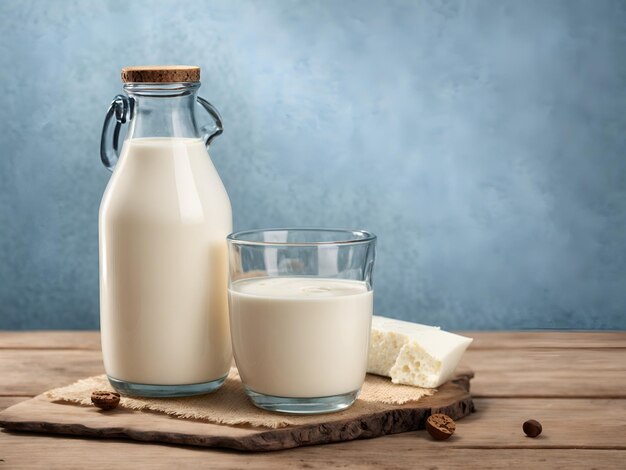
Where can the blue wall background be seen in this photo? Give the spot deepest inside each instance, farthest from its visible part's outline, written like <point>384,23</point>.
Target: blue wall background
<point>483,141</point>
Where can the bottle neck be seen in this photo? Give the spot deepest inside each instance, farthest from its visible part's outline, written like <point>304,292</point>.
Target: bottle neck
<point>163,110</point>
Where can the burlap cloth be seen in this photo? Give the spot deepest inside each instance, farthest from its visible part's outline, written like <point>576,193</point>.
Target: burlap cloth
<point>230,405</point>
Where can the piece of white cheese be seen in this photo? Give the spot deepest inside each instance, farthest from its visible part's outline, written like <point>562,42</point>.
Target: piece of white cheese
<point>414,354</point>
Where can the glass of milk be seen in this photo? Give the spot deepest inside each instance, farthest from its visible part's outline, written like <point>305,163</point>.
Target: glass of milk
<point>301,304</point>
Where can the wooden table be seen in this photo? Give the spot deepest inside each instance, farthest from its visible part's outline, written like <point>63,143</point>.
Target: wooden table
<point>573,383</point>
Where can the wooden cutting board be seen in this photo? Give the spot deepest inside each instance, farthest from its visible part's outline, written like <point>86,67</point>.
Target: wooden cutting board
<point>40,415</point>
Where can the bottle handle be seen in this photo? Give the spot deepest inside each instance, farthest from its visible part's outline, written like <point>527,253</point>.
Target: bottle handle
<point>122,109</point>
<point>211,132</point>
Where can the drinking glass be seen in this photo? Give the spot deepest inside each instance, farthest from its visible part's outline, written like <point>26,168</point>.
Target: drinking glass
<point>300,302</point>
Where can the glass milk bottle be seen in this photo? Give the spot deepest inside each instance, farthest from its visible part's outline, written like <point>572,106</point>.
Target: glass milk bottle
<point>163,222</point>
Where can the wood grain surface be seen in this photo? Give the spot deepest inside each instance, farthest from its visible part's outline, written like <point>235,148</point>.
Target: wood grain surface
<point>584,428</point>
<point>535,372</point>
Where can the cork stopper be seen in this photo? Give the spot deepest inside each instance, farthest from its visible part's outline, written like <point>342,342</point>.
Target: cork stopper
<point>161,74</point>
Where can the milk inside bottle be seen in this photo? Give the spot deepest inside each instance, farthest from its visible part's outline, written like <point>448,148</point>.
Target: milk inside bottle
<point>163,221</point>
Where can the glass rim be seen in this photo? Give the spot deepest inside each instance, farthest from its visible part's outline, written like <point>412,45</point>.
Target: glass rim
<point>359,237</point>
